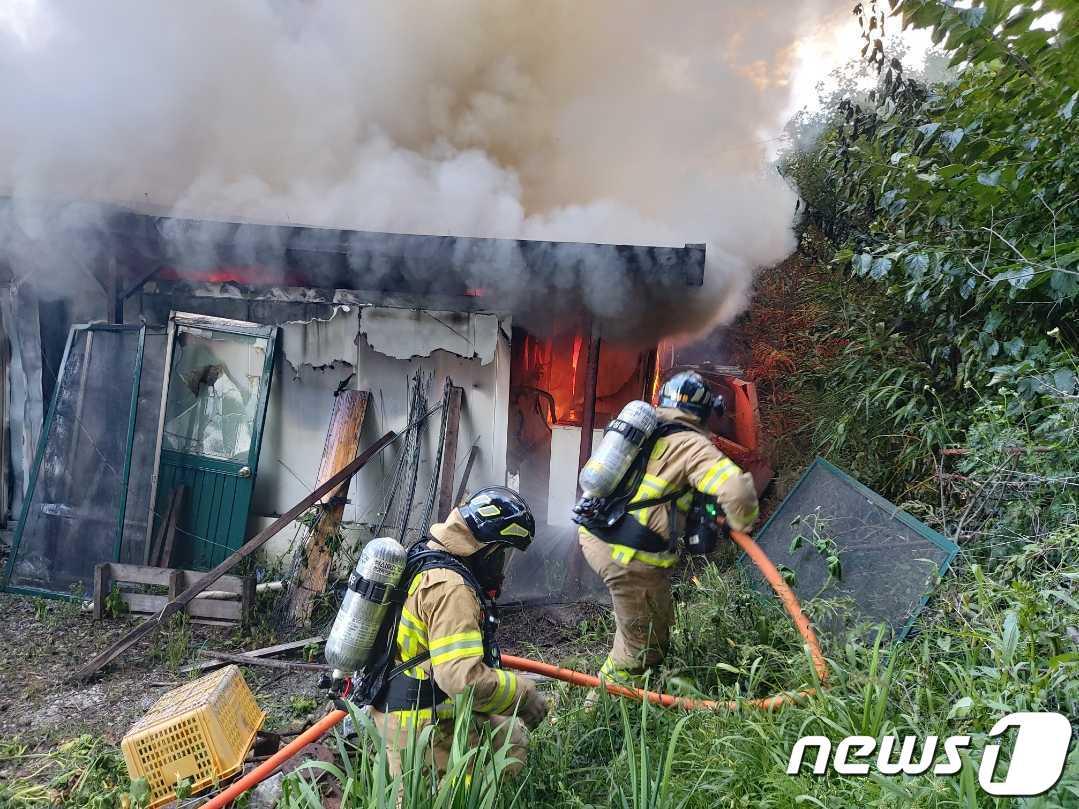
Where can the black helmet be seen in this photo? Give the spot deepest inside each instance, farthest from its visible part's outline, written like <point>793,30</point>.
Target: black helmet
<point>499,516</point>
<point>689,392</point>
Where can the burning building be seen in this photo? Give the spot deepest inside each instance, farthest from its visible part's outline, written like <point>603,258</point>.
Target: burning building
<point>219,348</point>
<point>531,123</point>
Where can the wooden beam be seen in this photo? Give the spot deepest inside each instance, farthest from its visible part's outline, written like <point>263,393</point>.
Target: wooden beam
<point>449,453</point>
<point>160,554</point>
<point>342,441</point>
<point>245,660</point>
<point>268,651</point>
<point>248,549</point>
<point>102,586</point>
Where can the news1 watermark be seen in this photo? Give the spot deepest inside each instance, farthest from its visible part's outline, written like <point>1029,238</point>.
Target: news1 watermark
<point>1036,764</point>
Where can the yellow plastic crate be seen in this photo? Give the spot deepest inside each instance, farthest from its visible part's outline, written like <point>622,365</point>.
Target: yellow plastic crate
<point>200,731</point>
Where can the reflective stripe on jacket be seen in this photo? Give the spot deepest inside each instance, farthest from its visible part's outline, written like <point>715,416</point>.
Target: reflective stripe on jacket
<point>442,615</point>
<point>687,459</point>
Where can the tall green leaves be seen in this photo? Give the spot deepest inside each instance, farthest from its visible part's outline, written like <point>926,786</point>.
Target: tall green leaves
<point>963,199</point>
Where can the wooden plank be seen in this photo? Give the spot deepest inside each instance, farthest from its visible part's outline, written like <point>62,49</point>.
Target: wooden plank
<point>176,505</point>
<point>155,478</point>
<point>130,638</point>
<point>269,663</point>
<point>200,321</point>
<point>218,611</point>
<point>342,441</point>
<point>268,651</point>
<point>247,599</point>
<point>140,574</point>
<point>176,584</point>
<point>142,604</point>
<point>747,414</point>
<point>202,611</point>
<point>102,586</point>
<point>229,584</point>
<point>164,576</point>
<point>156,541</point>
<point>205,484</point>
<point>449,453</point>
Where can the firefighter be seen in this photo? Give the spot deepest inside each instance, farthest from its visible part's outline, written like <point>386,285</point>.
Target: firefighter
<point>635,558</point>
<point>447,622</point>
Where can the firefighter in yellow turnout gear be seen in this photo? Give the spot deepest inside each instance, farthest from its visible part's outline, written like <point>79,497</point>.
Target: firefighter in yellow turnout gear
<point>449,627</point>
<point>636,558</point>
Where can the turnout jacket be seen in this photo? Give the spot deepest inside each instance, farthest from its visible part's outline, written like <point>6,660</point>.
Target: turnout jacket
<point>442,615</point>
<point>686,460</point>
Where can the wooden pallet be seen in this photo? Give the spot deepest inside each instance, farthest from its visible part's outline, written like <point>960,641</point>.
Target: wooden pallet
<point>220,612</point>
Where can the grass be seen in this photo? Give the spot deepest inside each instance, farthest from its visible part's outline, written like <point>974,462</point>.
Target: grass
<point>172,645</point>
<point>988,646</point>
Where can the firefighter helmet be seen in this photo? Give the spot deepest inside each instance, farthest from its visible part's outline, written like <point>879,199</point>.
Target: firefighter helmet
<point>499,516</point>
<point>689,392</point>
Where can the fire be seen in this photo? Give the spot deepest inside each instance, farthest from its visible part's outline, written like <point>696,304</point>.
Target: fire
<point>246,275</point>
<point>554,369</point>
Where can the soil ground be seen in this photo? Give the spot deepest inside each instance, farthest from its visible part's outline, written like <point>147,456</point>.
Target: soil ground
<point>42,642</point>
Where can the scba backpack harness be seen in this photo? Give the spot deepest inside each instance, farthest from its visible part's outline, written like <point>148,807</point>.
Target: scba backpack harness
<point>606,517</point>
<point>385,686</point>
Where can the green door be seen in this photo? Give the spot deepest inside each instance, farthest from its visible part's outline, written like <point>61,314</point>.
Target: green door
<point>213,411</point>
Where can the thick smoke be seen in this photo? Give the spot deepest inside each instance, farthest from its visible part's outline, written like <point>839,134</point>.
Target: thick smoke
<point>608,121</point>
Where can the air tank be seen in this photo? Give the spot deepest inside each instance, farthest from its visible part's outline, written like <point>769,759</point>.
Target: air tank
<point>352,638</point>
<point>621,442</point>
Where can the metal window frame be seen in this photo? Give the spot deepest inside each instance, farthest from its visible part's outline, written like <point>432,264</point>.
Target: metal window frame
<point>951,550</point>
<point>43,439</point>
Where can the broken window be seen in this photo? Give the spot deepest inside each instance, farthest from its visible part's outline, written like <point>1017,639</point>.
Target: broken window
<point>88,495</point>
<point>212,395</point>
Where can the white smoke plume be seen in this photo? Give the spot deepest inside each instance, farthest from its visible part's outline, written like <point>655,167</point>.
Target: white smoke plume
<point>606,121</point>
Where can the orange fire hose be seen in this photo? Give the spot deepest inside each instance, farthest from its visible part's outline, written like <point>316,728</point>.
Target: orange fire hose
<point>790,604</point>
<point>752,550</point>
<point>266,768</point>
<point>787,597</point>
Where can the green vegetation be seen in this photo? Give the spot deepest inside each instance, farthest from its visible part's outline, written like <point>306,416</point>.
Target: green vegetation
<point>115,606</point>
<point>956,208</point>
<point>172,645</point>
<point>82,772</point>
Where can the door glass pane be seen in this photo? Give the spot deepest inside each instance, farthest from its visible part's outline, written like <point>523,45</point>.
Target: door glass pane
<point>213,393</point>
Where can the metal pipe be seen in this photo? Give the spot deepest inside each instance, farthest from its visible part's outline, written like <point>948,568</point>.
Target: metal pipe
<point>588,417</point>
